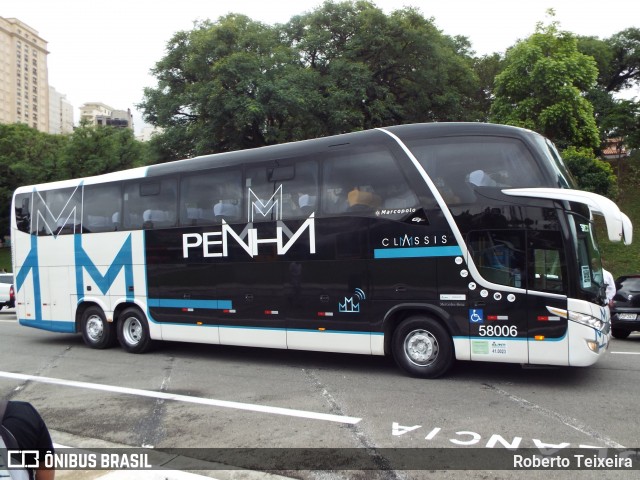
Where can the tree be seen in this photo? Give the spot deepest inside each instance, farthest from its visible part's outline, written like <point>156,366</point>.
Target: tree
<point>97,150</point>
<point>618,58</point>
<point>591,173</point>
<point>346,66</point>
<point>216,90</point>
<point>27,156</point>
<point>542,88</point>
<point>383,69</point>
<point>487,69</point>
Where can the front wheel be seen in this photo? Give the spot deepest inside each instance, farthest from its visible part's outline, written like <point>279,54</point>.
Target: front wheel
<point>133,331</point>
<point>96,331</point>
<point>422,347</point>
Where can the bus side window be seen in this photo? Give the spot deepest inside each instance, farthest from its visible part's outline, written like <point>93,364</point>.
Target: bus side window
<point>57,212</point>
<point>363,180</point>
<point>209,197</point>
<point>300,193</point>
<point>547,260</point>
<point>282,191</point>
<point>500,256</point>
<point>101,210</point>
<point>150,204</point>
<point>23,212</point>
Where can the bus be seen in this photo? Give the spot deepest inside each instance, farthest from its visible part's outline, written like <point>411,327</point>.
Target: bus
<point>429,243</point>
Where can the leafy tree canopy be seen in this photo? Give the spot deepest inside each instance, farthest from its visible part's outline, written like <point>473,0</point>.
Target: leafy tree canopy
<point>618,59</point>
<point>93,151</point>
<point>26,156</point>
<point>542,88</point>
<point>29,157</point>
<point>236,83</point>
<point>591,173</point>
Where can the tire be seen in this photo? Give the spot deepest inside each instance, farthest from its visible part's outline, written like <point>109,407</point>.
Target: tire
<point>133,331</point>
<point>96,331</point>
<point>621,334</point>
<point>422,347</point>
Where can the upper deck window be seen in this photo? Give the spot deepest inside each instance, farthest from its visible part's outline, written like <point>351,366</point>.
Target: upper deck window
<point>150,204</point>
<point>364,181</point>
<point>56,212</point>
<point>458,165</point>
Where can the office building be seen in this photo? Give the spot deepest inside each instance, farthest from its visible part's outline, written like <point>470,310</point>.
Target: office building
<point>60,113</point>
<point>99,114</point>
<point>24,84</point>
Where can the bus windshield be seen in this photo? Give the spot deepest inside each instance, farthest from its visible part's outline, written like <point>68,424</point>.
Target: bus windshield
<point>591,279</point>
<point>482,161</point>
<point>564,178</point>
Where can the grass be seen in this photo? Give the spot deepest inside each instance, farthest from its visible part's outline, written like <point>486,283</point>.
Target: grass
<point>5,259</point>
<point>618,258</point>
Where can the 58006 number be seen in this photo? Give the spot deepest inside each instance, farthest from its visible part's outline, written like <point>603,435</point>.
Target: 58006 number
<point>498,331</point>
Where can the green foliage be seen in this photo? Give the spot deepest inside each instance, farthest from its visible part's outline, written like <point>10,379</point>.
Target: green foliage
<point>591,173</point>
<point>542,88</point>
<point>618,59</point>
<point>94,151</point>
<point>487,69</point>
<point>621,259</point>
<point>29,157</point>
<point>236,83</point>
<point>622,120</point>
<point>5,259</point>
<point>26,156</point>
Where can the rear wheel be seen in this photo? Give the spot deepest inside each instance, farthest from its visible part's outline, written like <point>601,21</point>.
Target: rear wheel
<point>622,334</point>
<point>96,331</point>
<point>133,331</point>
<point>422,347</point>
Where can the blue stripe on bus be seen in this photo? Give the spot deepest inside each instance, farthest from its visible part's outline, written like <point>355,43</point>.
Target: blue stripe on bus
<point>50,325</point>
<point>184,303</point>
<point>416,252</point>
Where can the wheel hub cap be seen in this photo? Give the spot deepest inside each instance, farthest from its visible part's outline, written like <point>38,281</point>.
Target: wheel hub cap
<point>421,347</point>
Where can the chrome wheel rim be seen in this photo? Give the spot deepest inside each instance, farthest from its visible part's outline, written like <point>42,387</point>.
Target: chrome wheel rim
<point>94,328</point>
<point>132,331</point>
<point>421,347</point>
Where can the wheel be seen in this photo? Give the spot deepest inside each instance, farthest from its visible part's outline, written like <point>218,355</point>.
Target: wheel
<point>622,334</point>
<point>133,331</point>
<point>96,331</point>
<point>422,347</point>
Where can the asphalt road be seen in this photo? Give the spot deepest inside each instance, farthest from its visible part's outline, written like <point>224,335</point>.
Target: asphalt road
<point>204,396</point>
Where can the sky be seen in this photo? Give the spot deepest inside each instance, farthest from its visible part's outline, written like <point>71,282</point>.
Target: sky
<point>103,51</point>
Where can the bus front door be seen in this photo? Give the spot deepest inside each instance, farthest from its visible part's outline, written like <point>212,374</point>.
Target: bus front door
<point>497,315</point>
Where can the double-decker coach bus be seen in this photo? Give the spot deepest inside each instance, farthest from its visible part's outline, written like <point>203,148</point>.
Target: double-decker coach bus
<point>428,242</point>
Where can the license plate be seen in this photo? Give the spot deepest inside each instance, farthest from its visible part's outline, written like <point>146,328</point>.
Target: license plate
<point>627,316</point>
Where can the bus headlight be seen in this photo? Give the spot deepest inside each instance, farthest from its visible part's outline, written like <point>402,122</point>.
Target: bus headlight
<point>581,318</point>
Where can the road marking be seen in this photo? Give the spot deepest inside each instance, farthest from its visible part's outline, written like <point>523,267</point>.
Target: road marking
<point>185,398</point>
<point>564,419</point>
<point>627,353</point>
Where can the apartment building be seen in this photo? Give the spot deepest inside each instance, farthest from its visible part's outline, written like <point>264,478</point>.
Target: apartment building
<point>24,83</point>
<point>60,113</point>
<point>100,114</point>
